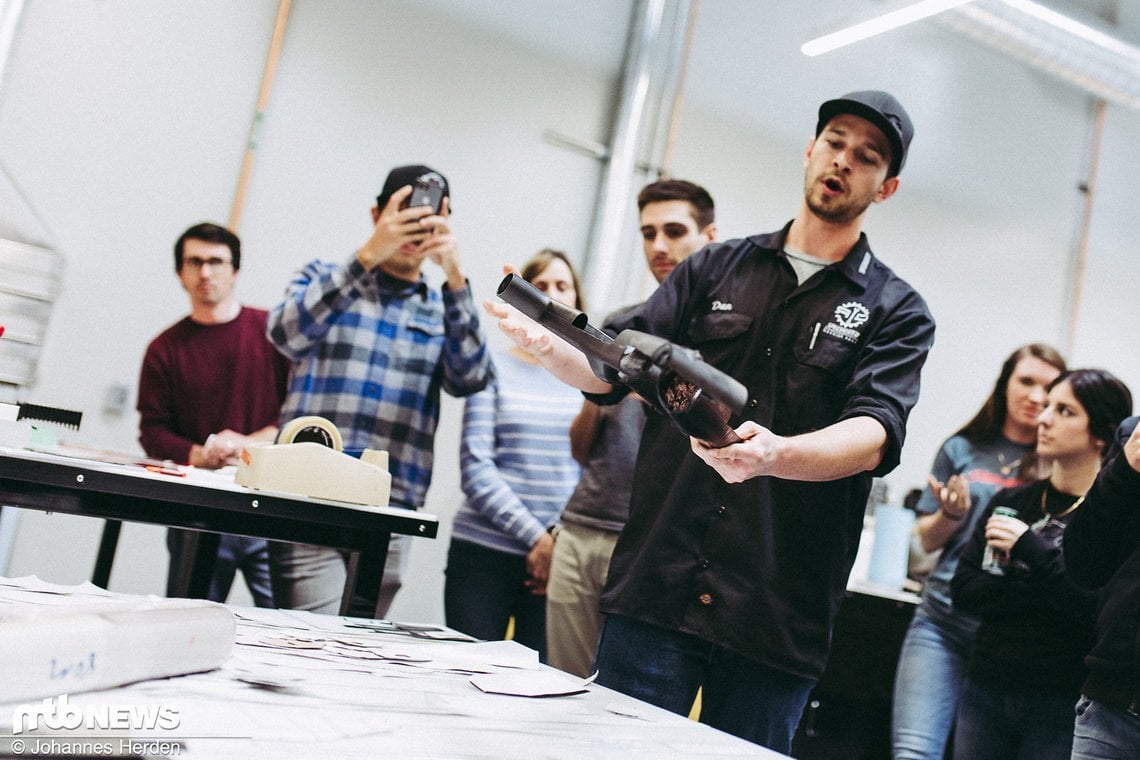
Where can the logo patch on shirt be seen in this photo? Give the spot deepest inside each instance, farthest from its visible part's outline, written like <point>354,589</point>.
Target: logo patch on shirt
<point>721,306</point>
<point>848,317</point>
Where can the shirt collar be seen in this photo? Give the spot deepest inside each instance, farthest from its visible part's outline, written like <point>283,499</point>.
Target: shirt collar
<point>394,286</point>
<point>855,266</point>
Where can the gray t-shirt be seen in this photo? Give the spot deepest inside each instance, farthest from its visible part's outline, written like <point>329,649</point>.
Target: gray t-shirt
<point>990,467</point>
<point>601,499</point>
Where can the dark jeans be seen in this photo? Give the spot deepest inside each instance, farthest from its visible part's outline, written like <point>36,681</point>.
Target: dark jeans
<point>1105,733</point>
<point>484,588</point>
<point>1000,725</point>
<point>250,555</point>
<point>665,668</point>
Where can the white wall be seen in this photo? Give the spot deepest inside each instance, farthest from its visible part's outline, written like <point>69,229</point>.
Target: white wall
<point>125,121</point>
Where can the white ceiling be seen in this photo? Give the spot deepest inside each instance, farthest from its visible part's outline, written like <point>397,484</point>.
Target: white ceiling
<point>743,48</point>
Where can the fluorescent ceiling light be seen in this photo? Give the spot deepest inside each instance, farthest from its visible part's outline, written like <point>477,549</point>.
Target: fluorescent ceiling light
<point>878,25</point>
<point>1075,28</point>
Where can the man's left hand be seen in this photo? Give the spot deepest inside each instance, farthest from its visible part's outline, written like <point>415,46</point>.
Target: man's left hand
<point>755,455</point>
<point>440,247</point>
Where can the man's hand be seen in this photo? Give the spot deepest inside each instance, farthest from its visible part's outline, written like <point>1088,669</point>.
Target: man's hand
<point>757,454</point>
<point>440,247</point>
<point>837,451</point>
<point>527,334</point>
<point>395,228</point>
<point>224,448</point>
<point>538,564</point>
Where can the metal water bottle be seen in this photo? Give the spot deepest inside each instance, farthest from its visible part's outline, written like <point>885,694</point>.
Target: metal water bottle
<point>994,561</point>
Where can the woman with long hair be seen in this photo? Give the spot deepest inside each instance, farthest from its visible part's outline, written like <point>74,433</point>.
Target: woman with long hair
<point>516,473</point>
<point>994,450</point>
<point>1027,665</point>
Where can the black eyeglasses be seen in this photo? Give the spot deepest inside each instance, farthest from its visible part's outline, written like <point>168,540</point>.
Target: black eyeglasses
<point>215,262</point>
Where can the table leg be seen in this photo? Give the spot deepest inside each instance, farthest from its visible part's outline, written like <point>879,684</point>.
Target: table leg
<point>363,576</point>
<point>108,542</point>
<point>195,565</point>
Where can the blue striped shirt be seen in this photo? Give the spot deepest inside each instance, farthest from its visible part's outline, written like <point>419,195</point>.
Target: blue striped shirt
<point>515,462</point>
<point>371,355</point>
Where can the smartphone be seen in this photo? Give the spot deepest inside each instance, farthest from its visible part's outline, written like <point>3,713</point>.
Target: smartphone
<point>427,190</point>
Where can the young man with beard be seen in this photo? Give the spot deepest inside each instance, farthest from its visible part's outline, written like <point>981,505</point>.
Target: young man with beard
<point>374,346</point>
<point>677,220</point>
<point>732,566</point>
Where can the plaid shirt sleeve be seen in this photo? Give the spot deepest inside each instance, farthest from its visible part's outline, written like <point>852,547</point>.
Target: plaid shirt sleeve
<point>467,366</point>
<point>318,294</point>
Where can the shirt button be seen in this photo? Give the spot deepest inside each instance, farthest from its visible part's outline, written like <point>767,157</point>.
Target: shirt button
<point>753,403</point>
<point>768,351</point>
<point>703,564</point>
<point>720,510</point>
<point>705,599</point>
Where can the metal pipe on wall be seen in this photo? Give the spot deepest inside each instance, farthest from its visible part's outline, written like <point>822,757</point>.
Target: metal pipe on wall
<point>651,75</point>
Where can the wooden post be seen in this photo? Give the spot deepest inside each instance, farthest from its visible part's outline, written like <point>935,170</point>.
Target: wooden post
<point>259,113</point>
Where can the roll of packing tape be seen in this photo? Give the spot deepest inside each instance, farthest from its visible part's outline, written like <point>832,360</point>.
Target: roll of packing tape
<point>311,428</point>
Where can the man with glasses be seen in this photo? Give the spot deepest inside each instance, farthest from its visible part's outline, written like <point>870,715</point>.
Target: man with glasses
<point>211,384</point>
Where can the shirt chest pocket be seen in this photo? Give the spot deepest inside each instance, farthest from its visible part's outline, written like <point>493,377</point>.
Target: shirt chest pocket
<point>833,355</point>
<point>718,326</point>
<point>418,344</point>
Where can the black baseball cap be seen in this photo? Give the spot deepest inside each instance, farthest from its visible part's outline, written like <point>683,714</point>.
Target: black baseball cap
<point>881,109</point>
<point>406,175</point>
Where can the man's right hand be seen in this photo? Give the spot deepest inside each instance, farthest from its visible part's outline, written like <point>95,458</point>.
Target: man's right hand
<point>527,334</point>
<point>395,228</point>
<point>564,361</point>
<point>219,450</point>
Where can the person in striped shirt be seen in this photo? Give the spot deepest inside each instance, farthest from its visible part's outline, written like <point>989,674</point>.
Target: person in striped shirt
<point>517,473</point>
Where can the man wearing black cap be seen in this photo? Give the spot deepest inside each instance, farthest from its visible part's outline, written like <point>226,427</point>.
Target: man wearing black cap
<point>373,346</point>
<point>732,566</point>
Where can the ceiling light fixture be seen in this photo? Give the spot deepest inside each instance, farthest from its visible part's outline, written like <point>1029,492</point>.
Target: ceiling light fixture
<point>888,21</point>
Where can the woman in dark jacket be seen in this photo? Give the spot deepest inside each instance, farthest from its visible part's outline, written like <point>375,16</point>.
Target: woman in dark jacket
<point>1102,548</point>
<point>1026,668</point>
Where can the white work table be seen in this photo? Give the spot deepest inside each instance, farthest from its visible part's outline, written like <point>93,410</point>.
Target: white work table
<point>300,685</point>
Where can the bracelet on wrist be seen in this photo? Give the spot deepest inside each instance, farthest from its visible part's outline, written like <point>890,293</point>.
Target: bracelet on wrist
<point>951,517</point>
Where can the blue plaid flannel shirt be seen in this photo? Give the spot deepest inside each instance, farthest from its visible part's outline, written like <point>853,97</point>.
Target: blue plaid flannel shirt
<point>371,354</point>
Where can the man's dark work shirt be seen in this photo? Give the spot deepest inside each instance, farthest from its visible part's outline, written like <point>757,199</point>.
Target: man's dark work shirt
<point>760,567</point>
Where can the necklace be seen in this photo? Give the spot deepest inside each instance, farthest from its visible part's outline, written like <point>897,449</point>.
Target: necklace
<point>1004,468</point>
<point>1045,510</point>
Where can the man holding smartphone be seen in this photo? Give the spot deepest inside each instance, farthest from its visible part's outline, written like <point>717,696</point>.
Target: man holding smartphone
<point>374,344</point>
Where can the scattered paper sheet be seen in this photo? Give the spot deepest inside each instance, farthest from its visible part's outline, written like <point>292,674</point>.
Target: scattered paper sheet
<point>544,683</point>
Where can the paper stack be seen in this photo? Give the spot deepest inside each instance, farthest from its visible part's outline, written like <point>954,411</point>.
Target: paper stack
<point>60,640</point>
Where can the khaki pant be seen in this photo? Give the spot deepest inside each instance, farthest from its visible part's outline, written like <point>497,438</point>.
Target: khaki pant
<point>577,576</point>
